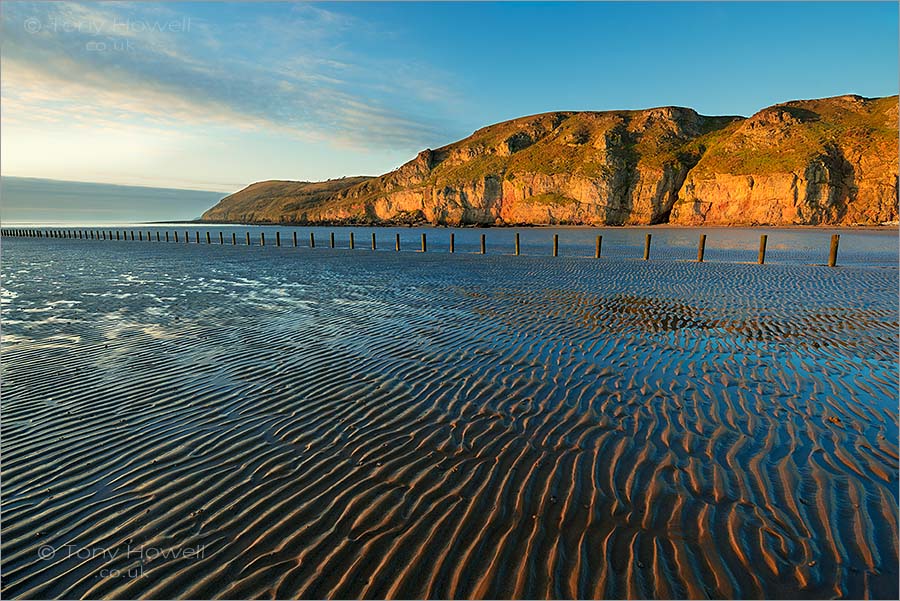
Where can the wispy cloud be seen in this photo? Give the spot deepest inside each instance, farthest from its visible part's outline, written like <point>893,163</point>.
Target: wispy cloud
<point>152,65</point>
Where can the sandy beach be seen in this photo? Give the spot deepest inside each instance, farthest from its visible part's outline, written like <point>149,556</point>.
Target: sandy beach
<point>221,422</point>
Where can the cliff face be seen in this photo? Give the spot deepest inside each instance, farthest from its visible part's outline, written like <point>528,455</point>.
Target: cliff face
<point>831,161</point>
<point>828,161</point>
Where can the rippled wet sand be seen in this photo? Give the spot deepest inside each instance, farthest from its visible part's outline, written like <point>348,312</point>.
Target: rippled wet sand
<point>327,424</point>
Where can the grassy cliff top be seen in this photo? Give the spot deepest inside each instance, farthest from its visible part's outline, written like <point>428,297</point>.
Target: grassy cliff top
<point>269,200</point>
<point>784,138</point>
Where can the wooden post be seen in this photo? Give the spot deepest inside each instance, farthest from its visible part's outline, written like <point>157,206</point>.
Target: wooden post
<point>452,243</point>
<point>157,236</point>
<point>262,238</point>
<point>117,235</point>
<point>517,244</point>
<point>832,254</point>
<point>647,247</point>
<point>248,238</point>
<point>132,235</point>
<point>598,247</point>
<point>352,242</point>
<point>398,243</point>
<point>140,236</point>
<point>555,245</point>
<point>207,238</point>
<point>762,249</point>
<point>312,239</point>
<point>482,244</point>
<point>701,249</point>
<point>197,237</point>
<point>187,237</point>
<point>332,239</point>
<point>277,238</point>
<point>176,235</point>
<point>167,235</point>
<point>233,238</point>
<point>373,240</point>
<point>221,239</point>
<point>424,247</point>
<point>295,239</point>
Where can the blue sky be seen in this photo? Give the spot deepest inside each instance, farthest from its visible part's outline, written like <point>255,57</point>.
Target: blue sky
<point>216,96</point>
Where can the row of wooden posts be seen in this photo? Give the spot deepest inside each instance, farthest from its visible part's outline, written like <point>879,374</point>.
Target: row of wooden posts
<point>102,235</point>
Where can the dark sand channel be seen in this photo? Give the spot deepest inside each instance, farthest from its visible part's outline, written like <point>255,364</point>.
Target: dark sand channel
<point>234,422</point>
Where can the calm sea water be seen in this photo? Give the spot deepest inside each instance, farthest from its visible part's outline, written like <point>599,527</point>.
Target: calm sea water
<point>45,201</point>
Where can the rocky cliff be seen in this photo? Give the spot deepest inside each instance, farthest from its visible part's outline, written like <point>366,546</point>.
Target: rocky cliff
<point>829,161</point>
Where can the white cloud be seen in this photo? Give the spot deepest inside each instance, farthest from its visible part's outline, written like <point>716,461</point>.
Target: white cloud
<point>150,66</point>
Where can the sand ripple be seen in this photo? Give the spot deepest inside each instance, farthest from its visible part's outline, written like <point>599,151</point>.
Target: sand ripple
<point>337,425</point>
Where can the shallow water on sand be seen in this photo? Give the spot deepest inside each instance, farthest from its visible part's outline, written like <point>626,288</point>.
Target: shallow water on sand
<point>232,422</point>
<point>794,246</point>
